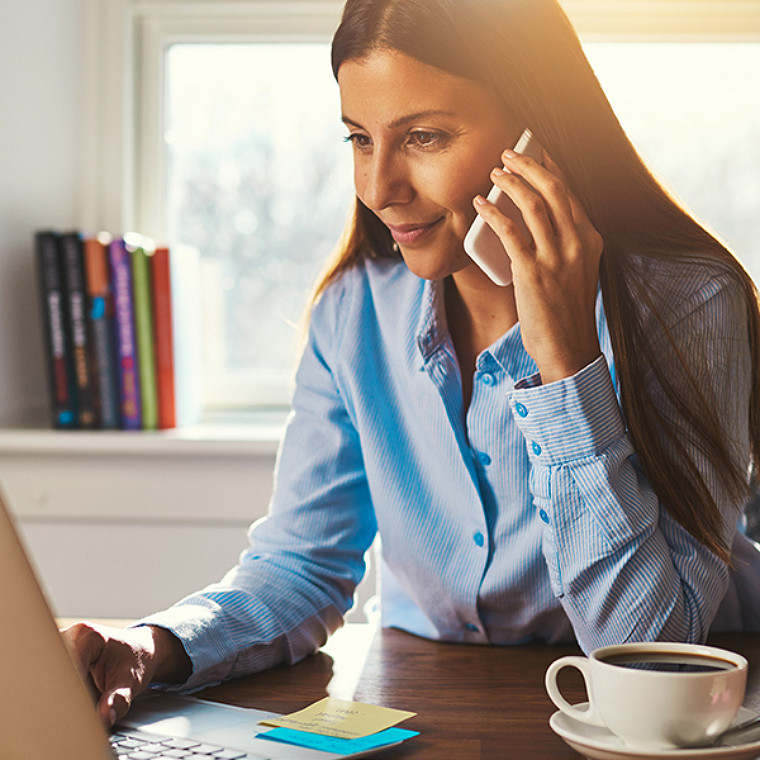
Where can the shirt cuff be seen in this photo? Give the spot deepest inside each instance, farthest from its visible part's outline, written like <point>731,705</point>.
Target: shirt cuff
<point>197,628</point>
<point>569,419</point>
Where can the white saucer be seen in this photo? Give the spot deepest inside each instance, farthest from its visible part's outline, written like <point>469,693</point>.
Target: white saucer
<point>599,743</point>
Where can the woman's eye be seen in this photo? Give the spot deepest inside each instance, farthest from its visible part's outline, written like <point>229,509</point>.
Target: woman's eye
<point>426,139</point>
<point>358,140</point>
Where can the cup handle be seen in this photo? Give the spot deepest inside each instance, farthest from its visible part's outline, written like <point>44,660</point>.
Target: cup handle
<point>591,714</point>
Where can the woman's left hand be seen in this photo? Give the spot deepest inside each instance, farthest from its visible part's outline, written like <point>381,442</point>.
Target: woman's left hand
<point>555,276</point>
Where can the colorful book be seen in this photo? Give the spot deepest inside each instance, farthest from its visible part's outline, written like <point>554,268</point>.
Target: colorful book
<point>120,260</point>
<point>57,347</point>
<point>72,262</point>
<point>163,337</point>
<point>141,254</point>
<point>100,313</point>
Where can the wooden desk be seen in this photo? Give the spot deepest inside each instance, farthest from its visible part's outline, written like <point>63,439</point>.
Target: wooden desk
<point>472,701</point>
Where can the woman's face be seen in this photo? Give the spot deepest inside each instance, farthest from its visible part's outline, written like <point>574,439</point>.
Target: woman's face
<point>424,143</point>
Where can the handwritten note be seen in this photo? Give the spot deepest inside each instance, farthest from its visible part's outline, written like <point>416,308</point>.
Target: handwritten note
<point>341,718</point>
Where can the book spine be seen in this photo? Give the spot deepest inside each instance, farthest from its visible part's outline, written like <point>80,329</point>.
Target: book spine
<point>141,291</point>
<point>163,337</point>
<point>74,282</point>
<point>129,381</point>
<point>100,316</point>
<point>57,348</point>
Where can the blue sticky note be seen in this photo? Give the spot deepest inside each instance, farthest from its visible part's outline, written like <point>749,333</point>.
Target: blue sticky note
<point>333,744</point>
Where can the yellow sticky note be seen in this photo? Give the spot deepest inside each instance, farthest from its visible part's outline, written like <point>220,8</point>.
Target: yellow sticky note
<point>341,718</point>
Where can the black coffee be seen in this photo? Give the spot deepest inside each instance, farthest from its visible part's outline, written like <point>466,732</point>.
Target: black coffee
<point>669,662</point>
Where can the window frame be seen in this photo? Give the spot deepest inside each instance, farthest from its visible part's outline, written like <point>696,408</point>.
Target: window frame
<point>123,176</point>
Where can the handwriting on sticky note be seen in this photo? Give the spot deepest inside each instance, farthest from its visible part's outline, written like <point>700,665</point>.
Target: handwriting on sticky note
<point>341,718</point>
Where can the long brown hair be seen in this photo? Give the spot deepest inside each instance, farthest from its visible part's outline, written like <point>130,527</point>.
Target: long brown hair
<point>527,53</point>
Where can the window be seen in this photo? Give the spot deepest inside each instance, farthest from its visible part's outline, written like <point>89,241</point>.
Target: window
<point>219,144</point>
<point>258,178</point>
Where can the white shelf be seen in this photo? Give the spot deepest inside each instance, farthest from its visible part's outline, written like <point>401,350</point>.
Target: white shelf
<point>217,472</point>
<point>250,438</point>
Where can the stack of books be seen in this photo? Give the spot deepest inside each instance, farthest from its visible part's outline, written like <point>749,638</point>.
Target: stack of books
<point>114,336</point>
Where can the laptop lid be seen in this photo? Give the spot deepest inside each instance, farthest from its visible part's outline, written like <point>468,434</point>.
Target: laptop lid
<point>45,706</point>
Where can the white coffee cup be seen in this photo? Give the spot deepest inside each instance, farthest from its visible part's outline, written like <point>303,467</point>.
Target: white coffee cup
<point>658,695</point>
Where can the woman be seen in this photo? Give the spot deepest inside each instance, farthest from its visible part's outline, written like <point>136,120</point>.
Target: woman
<point>564,456</point>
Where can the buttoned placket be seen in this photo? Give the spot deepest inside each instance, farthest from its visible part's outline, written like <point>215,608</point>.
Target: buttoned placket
<point>440,364</point>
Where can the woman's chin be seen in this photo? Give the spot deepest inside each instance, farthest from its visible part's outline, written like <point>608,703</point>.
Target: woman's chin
<point>431,267</point>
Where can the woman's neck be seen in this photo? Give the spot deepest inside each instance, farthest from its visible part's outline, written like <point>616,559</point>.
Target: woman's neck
<point>478,313</point>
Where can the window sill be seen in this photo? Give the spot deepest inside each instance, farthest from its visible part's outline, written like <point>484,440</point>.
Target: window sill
<point>249,434</point>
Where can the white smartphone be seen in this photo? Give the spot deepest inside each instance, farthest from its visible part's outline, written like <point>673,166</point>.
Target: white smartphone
<point>481,243</point>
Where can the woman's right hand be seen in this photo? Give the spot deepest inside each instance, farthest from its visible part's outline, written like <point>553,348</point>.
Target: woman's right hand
<point>118,664</point>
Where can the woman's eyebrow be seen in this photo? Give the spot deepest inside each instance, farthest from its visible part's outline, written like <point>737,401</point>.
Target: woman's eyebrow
<point>406,119</point>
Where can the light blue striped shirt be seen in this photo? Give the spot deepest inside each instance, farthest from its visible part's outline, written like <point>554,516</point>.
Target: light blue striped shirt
<point>523,517</point>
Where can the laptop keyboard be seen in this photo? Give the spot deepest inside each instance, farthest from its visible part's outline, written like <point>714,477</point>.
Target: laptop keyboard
<point>135,745</point>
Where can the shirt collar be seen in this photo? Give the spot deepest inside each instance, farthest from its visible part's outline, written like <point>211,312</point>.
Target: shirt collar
<point>507,353</point>
<point>432,328</point>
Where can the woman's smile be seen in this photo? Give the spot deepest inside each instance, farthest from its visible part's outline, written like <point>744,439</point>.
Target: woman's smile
<point>409,234</point>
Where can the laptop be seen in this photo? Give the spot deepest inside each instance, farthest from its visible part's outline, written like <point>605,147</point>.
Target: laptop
<point>47,711</point>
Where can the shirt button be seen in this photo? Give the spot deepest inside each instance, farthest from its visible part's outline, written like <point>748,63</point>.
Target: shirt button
<point>483,458</point>
<point>472,628</point>
<point>536,448</point>
<point>521,410</point>
<point>544,517</point>
<point>479,538</point>
<point>487,378</point>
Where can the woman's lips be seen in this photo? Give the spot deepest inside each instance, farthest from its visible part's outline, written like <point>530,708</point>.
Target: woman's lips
<point>407,234</point>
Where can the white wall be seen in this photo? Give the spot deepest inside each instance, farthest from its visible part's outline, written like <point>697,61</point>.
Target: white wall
<point>122,529</point>
<point>114,533</point>
<point>41,102</point>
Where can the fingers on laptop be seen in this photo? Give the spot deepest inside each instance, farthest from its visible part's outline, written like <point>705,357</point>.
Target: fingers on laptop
<point>112,663</point>
<point>115,704</point>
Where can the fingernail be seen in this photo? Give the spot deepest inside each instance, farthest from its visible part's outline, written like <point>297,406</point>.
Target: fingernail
<point>480,200</point>
<point>509,153</point>
<point>497,172</point>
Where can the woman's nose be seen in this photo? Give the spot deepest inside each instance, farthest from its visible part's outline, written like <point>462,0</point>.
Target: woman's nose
<point>385,181</point>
